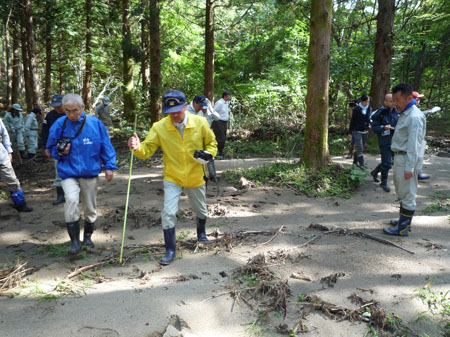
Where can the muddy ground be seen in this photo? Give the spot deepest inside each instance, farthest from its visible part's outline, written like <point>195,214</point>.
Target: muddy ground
<point>208,290</point>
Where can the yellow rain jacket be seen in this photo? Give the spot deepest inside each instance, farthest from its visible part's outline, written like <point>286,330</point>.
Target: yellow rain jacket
<point>180,167</point>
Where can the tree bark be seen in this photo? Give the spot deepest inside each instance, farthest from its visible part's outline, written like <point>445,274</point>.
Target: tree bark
<point>315,149</point>
<point>25,65</point>
<point>15,66</point>
<point>87,82</point>
<point>34,75</point>
<point>128,84</point>
<point>48,49</point>
<point>61,71</point>
<point>8,61</point>
<point>209,51</point>
<point>384,52</point>
<point>155,63</point>
<point>145,44</point>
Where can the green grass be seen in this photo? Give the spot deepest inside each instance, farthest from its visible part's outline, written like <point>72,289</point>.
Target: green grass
<point>441,203</point>
<point>56,250</point>
<point>333,180</point>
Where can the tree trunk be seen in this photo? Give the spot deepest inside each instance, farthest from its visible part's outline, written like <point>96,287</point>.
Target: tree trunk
<point>15,66</point>
<point>34,75</point>
<point>384,52</point>
<point>128,85</point>
<point>8,69</point>
<point>145,44</point>
<point>315,149</point>
<point>209,51</point>
<point>420,67</point>
<point>87,83</point>
<point>155,63</point>
<point>48,50</point>
<point>25,65</point>
<point>60,71</point>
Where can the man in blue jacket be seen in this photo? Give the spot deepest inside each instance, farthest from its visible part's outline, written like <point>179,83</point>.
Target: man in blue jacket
<point>384,121</point>
<point>81,145</point>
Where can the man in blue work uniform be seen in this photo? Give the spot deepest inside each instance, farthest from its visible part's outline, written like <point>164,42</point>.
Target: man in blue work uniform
<point>81,145</point>
<point>406,143</point>
<point>383,124</point>
<point>51,118</point>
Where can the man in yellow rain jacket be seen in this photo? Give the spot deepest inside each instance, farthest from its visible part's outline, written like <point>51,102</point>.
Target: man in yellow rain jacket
<point>188,144</point>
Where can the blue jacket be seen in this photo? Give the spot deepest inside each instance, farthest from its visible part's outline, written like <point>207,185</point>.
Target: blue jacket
<point>384,116</point>
<point>88,151</point>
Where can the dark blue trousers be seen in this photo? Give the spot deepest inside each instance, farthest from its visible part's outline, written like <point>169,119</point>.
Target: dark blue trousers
<point>386,158</point>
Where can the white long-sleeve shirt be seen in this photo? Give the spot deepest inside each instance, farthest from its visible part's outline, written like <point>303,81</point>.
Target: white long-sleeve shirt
<point>221,106</point>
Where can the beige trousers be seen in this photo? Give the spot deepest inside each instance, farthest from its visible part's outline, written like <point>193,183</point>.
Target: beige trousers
<point>88,188</point>
<point>406,189</point>
<point>8,176</point>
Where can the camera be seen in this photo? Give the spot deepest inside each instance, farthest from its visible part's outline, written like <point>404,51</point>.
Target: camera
<point>62,144</point>
<point>203,155</point>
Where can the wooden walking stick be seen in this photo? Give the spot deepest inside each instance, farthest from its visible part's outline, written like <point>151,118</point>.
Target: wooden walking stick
<point>128,195</point>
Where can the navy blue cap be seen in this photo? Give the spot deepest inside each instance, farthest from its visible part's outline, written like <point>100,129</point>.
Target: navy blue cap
<point>56,100</point>
<point>201,99</point>
<point>36,110</point>
<point>173,101</point>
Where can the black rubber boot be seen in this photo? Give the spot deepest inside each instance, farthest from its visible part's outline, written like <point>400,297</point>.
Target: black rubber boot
<point>23,207</point>
<point>171,245</point>
<point>374,173</point>
<point>73,228</point>
<point>361,162</point>
<point>355,160</point>
<point>88,230</point>
<point>384,185</point>
<point>23,155</point>
<point>201,233</point>
<point>403,224</point>
<point>59,196</point>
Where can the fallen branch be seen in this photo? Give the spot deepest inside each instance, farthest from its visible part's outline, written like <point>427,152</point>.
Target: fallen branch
<point>369,236</point>
<point>344,231</point>
<point>275,235</point>
<point>82,269</point>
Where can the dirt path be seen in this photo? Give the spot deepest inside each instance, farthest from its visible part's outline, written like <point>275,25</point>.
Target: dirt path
<point>196,293</point>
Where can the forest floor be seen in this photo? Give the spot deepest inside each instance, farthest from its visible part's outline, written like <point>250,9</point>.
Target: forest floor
<point>289,288</point>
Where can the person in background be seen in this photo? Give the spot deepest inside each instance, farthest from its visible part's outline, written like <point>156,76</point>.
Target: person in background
<point>383,124</point>
<point>7,174</point>
<point>421,176</point>
<point>102,112</point>
<point>14,124</point>
<point>201,106</point>
<point>31,131</point>
<point>187,144</point>
<point>49,120</point>
<point>220,126</point>
<point>359,128</point>
<point>81,145</point>
<point>408,137</point>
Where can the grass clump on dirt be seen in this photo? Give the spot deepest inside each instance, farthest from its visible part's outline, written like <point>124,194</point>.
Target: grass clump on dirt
<point>441,203</point>
<point>333,180</point>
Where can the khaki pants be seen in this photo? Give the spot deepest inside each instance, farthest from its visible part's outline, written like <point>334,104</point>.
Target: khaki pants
<point>8,176</point>
<point>88,188</point>
<point>172,192</point>
<point>406,189</point>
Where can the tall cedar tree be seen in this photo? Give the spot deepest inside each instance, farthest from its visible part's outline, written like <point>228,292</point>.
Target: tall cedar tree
<point>315,149</point>
<point>128,85</point>
<point>384,51</point>
<point>209,51</point>
<point>155,63</point>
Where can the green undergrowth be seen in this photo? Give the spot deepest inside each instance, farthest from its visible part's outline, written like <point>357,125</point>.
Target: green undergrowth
<point>441,203</point>
<point>333,180</point>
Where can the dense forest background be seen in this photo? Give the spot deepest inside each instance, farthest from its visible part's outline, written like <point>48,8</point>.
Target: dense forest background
<point>132,50</point>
